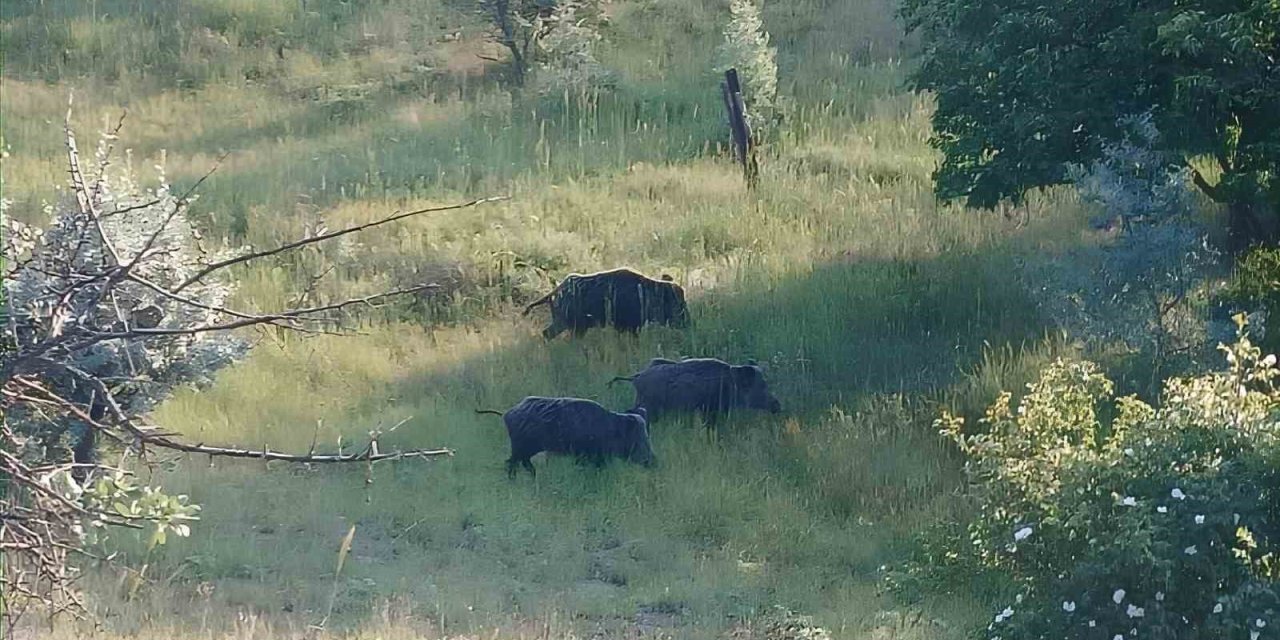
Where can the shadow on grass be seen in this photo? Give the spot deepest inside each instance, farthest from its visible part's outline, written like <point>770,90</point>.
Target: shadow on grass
<point>826,336</point>
<point>799,509</point>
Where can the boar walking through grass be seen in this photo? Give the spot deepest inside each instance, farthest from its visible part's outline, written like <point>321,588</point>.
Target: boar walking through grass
<point>708,386</point>
<point>621,298</point>
<point>574,426</point>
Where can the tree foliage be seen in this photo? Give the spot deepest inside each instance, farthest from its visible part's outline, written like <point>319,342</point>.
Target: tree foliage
<point>567,51</point>
<point>1257,282</point>
<point>1142,282</point>
<point>150,223</point>
<point>1024,88</point>
<point>1112,518</point>
<point>552,41</point>
<point>746,48</point>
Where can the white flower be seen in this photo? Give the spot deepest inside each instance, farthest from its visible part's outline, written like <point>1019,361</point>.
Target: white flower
<point>1199,519</point>
<point>1178,494</point>
<point>1135,612</point>
<point>1191,550</point>
<point>1235,518</point>
<point>1253,635</point>
<point>1118,637</point>
<point>1069,607</point>
<point>1159,596</point>
<point>1004,615</point>
<point>1128,452</point>
<point>1217,608</point>
<point>1093,623</point>
<point>1162,509</point>
<point>1017,599</point>
<point>1269,361</point>
<point>1260,623</point>
<point>1118,596</point>
<point>1129,501</point>
<point>1022,534</point>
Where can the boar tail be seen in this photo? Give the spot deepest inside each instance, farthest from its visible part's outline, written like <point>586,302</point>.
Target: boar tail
<point>543,300</point>
<point>483,411</point>
<point>617,378</point>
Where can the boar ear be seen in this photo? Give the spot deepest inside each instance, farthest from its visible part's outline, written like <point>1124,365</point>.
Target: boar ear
<point>745,375</point>
<point>751,362</point>
<point>666,277</point>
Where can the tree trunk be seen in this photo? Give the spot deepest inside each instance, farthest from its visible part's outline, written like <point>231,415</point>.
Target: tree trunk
<point>85,449</point>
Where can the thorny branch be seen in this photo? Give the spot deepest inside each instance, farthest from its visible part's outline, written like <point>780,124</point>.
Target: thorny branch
<point>88,302</point>
<point>255,255</point>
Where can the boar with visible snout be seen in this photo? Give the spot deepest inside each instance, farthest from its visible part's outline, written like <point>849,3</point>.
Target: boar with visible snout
<point>706,385</point>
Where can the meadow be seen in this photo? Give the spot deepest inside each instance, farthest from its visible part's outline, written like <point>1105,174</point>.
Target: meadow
<point>871,305</point>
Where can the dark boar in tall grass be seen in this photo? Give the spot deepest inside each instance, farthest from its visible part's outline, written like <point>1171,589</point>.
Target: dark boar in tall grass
<point>708,386</point>
<point>575,426</point>
<point>621,298</point>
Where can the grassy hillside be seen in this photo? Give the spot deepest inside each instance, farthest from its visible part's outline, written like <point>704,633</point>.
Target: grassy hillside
<point>870,304</point>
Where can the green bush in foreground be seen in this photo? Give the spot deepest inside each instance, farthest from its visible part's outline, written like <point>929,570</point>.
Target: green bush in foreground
<point>1115,519</point>
<point>1257,282</point>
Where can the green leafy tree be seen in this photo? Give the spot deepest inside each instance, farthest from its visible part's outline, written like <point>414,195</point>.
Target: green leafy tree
<point>1025,88</point>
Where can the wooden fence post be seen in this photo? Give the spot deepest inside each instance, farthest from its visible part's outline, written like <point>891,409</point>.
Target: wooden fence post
<point>744,150</point>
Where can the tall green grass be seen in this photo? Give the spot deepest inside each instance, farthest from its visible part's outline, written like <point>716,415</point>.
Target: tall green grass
<point>869,303</point>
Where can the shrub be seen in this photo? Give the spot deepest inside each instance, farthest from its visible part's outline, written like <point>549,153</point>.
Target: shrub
<point>1256,284</point>
<point>746,48</point>
<point>1113,519</point>
<point>1141,287</point>
<point>151,222</point>
<point>568,59</point>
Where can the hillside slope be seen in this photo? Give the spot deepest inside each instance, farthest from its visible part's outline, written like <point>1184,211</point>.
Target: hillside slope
<point>869,303</point>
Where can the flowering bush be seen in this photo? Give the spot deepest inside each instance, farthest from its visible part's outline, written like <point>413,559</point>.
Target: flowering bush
<point>1115,519</point>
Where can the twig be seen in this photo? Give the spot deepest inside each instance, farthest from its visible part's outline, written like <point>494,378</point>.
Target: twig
<point>253,320</point>
<point>253,255</point>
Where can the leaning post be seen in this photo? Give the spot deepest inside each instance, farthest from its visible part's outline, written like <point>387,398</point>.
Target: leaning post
<point>744,150</point>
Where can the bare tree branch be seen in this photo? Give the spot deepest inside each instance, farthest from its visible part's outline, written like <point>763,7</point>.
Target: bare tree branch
<point>254,255</point>
<point>261,319</point>
<point>93,339</point>
<point>83,194</point>
<point>178,207</point>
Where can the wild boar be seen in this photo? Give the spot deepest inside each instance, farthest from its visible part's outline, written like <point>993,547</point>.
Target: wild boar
<point>622,298</point>
<point>574,426</point>
<point>708,386</point>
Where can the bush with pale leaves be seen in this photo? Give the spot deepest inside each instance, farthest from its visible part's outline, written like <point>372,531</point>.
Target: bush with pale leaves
<point>746,48</point>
